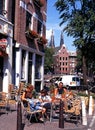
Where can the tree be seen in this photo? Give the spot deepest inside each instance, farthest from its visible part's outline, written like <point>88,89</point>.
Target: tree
<point>79,16</point>
<point>49,59</point>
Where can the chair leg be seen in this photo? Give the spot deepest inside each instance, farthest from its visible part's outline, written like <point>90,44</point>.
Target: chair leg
<point>36,117</point>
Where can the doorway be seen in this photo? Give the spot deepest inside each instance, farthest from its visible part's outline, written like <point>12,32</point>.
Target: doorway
<point>1,73</point>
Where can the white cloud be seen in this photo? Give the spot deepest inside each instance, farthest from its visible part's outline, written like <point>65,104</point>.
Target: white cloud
<point>55,26</point>
<point>48,33</point>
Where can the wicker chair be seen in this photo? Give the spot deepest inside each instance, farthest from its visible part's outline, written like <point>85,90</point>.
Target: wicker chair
<point>3,102</point>
<point>12,96</point>
<point>74,112</point>
<point>28,112</point>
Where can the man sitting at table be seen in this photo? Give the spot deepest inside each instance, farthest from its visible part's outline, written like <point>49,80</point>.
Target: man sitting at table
<point>61,92</point>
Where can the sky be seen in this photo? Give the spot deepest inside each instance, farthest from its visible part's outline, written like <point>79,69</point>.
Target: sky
<point>52,23</point>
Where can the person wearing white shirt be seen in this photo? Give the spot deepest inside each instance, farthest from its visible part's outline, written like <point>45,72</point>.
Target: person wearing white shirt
<point>45,99</point>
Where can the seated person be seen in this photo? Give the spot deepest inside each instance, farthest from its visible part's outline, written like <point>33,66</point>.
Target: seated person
<point>63,93</point>
<point>46,87</point>
<point>27,97</point>
<point>59,90</point>
<point>45,99</point>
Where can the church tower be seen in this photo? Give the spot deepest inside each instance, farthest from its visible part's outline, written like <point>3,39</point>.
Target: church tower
<point>61,39</point>
<point>51,43</point>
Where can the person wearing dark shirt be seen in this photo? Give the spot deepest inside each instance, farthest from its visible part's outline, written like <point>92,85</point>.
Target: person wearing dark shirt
<point>59,90</point>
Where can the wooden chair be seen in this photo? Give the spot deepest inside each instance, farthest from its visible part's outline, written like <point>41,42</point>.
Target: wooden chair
<point>3,102</point>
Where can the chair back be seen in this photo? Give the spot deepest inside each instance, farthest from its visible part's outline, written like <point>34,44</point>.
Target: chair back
<point>21,88</point>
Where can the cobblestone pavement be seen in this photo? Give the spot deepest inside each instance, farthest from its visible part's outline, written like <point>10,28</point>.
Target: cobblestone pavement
<point>9,122</point>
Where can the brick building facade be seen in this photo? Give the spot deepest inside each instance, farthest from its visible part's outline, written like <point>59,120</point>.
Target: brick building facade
<point>28,18</point>
<point>64,60</point>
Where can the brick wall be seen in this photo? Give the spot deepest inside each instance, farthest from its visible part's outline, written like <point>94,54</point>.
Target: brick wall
<point>20,21</point>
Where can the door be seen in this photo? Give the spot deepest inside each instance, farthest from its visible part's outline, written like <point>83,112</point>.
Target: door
<point>1,72</point>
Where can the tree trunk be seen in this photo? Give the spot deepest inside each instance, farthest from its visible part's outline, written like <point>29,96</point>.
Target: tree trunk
<point>84,71</point>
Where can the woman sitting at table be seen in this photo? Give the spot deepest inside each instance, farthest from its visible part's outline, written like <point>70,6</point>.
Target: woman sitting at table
<point>34,104</point>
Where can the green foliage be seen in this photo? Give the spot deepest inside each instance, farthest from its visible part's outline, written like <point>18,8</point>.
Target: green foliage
<point>49,59</point>
<point>82,93</point>
<point>79,61</point>
<point>79,16</point>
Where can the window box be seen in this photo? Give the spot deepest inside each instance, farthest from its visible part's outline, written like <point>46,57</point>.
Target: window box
<point>32,34</point>
<point>42,40</point>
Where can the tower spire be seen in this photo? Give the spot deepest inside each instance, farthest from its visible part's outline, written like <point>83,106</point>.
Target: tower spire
<point>61,39</point>
<point>51,43</point>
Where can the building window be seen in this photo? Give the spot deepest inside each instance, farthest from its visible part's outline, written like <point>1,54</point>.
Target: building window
<point>63,58</point>
<point>38,67</point>
<point>2,6</point>
<point>39,28</point>
<point>44,28</point>
<point>28,20</point>
<point>30,68</point>
<point>23,64</point>
<point>60,58</point>
<point>66,58</point>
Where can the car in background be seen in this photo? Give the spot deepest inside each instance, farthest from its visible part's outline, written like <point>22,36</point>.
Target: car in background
<point>69,80</point>
<point>52,79</point>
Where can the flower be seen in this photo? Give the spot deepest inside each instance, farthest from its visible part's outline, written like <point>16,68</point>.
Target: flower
<point>42,39</point>
<point>33,33</point>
